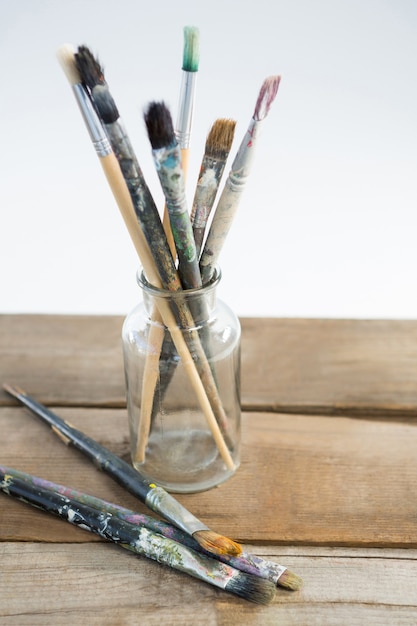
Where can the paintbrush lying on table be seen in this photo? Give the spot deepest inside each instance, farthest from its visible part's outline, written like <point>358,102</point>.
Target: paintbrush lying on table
<point>154,497</point>
<point>248,563</point>
<point>137,538</point>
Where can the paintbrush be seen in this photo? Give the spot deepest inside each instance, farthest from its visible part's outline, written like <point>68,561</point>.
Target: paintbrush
<point>218,144</point>
<point>146,211</point>
<point>190,62</point>
<point>249,563</point>
<point>167,156</point>
<point>139,539</point>
<point>236,181</point>
<point>199,373</point>
<point>159,341</point>
<point>153,496</point>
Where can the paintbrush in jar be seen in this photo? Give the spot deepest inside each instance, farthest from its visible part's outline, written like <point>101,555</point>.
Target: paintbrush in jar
<point>236,181</point>
<point>218,144</point>
<point>157,369</point>
<point>167,156</point>
<point>92,76</point>
<point>165,274</point>
<point>156,498</point>
<point>190,63</point>
<point>245,562</point>
<point>138,539</point>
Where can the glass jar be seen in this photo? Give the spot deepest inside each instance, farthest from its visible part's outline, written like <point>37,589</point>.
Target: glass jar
<point>182,371</point>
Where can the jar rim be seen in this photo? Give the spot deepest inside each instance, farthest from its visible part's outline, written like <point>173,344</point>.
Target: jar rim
<point>166,293</point>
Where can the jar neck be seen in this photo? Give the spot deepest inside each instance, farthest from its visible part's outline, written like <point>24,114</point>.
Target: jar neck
<point>201,302</point>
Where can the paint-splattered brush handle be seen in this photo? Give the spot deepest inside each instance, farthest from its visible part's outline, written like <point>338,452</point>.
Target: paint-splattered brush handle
<point>229,200</point>
<point>144,205</point>
<point>211,172</point>
<point>154,497</point>
<point>171,176</point>
<point>137,539</point>
<point>245,562</point>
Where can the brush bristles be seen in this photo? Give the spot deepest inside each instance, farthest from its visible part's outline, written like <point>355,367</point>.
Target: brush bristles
<point>105,105</point>
<point>217,544</point>
<point>290,581</point>
<point>89,67</point>
<point>252,588</point>
<point>92,76</point>
<point>191,52</point>
<point>220,138</point>
<point>266,97</point>
<point>159,125</point>
<point>66,57</point>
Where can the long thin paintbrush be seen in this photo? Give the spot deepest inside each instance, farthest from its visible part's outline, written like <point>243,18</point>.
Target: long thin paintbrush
<point>236,181</point>
<point>190,63</point>
<point>154,497</point>
<point>201,378</point>
<point>139,539</point>
<point>218,144</point>
<point>158,340</point>
<point>147,214</point>
<point>249,563</point>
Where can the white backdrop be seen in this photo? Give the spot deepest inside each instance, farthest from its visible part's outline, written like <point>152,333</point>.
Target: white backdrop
<point>327,226</point>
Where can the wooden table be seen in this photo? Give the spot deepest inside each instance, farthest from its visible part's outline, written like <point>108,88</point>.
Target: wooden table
<point>327,484</point>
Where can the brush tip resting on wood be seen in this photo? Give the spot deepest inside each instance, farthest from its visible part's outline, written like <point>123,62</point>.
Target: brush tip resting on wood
<point>252,588</point>
<point>217,544</point>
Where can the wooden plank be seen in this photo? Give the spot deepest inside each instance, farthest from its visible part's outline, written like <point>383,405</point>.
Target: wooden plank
<point>101,584</point>
<point>352,367</point>
<point>62,359</point>
<point>303,479</point>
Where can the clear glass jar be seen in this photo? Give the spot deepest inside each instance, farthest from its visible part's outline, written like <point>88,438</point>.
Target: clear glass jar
<point>182,370</point>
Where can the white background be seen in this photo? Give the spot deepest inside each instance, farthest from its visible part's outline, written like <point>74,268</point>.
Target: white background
<point>327,226</point>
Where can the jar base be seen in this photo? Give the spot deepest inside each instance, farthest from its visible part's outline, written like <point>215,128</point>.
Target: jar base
<point>184,464</point>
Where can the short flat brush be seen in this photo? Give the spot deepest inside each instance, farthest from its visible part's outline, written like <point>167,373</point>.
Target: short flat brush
<point>150,494</point>
<point>138,539</point>
<point>218,144</point>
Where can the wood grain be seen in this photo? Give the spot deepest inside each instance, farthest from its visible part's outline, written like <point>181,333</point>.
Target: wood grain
<point>303,479</point>
<point>100,584</point>
<point>351,367</point>
<point>327,494</point>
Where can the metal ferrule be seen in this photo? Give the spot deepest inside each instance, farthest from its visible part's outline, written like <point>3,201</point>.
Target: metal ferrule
<point>243,160</point>
<point>162,502</point>
<point>97,133</point>
<point>186,108</point>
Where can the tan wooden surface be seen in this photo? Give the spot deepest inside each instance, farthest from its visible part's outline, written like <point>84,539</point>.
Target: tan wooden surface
<point>327,484</point>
